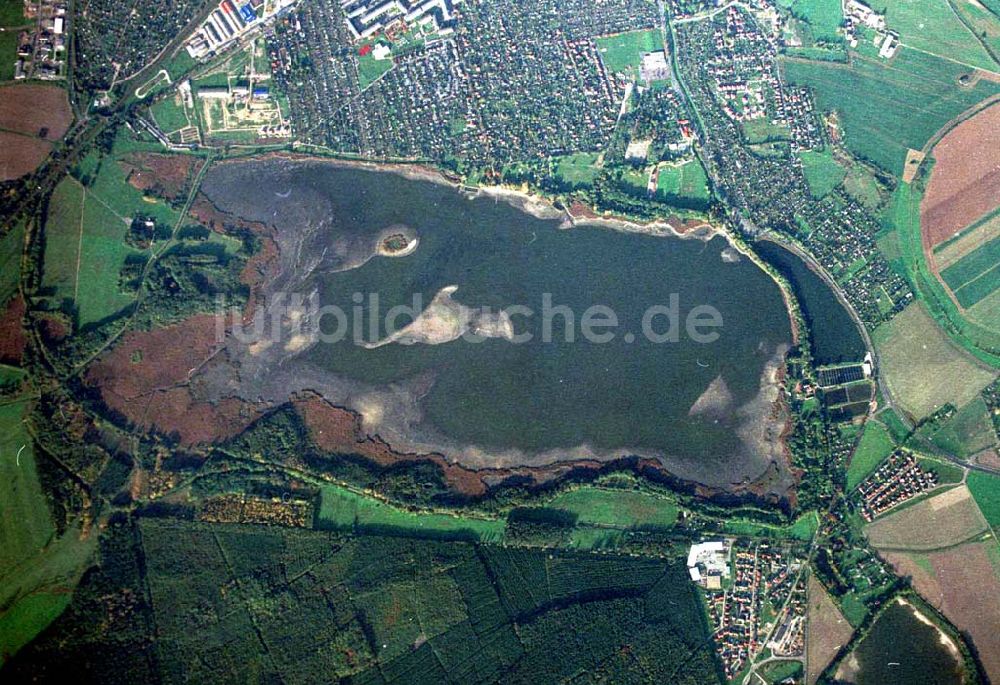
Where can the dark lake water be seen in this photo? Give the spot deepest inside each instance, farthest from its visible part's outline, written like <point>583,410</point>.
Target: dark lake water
<point>629,393</point>
<point>834,336</point>
<point>902,650</point>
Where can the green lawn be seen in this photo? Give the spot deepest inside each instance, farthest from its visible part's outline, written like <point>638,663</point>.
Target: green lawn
<point>886,108</point>
<point>985,489</point>
<point>617,508</point>
<point>822,172</point>
<point>623,51</point>
<point>933,26</point>
<point>687,181</point>
<point>876,444</point>
<point>823,16</point>
<point>947,472</point>
<point>342,509</point>
<point>861,185</point>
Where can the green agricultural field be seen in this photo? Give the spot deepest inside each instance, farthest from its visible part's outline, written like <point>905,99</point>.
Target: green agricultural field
<point>25,525</point>
<point>933,26</point>
<point>983,23</point>
<point>617,508</point>
<point>823,16</point>
<point>577,170</point>
<point>968,432</point>
<point>886,108</point>
<point>976,275</point>
<point>985,490</point>
<point>342,509</point>
<point>11,246</point>
<point>27,618</point>
<point>102,254</point>
<point>823,173</point>
<point>687,181</point>
<point>876,444</point>
<point>781,671</point>
<point>63,228</point>
<point>623,51</point>
<point>923,368</point>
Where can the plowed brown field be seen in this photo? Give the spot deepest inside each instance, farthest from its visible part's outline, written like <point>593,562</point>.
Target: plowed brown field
<point>965,182</point>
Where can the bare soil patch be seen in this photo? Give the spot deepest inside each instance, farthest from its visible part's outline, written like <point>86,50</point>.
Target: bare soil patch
<point>826,631</point>
<point>965,182</point>
<point>942,520</point>
<point>35,110</point>
<point>12,340</point>
<point>962,582</point>
<point>145,378</point>
<point>20,155</point>
<point>165,176</point>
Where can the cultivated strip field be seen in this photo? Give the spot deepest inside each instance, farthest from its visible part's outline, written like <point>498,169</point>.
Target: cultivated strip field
<point>975,276</point>
<point>940,521</point>
<point>965,182</point>
<point>826,630</point>
<point>966,241</point>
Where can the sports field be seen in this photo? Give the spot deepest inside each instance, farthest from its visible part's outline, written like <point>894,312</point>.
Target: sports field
<point>623,51</point>
<point>577,169</point>
<point>887,108</point>
<point>923,368</point>
<point>687,180</point>
<point>822,172</point>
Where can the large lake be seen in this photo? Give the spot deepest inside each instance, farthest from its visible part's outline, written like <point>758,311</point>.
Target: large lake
<point>706,409</point>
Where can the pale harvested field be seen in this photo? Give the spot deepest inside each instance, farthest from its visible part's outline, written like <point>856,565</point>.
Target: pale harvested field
<point>965,182</point>
<point>826,631</point>
<point>30,108</point>
<point>942,520</point>
<point>20,155</point>
<point>967,242</point>
<point>962,582</point>
<point>913,160</point>
<point>923,368</point>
